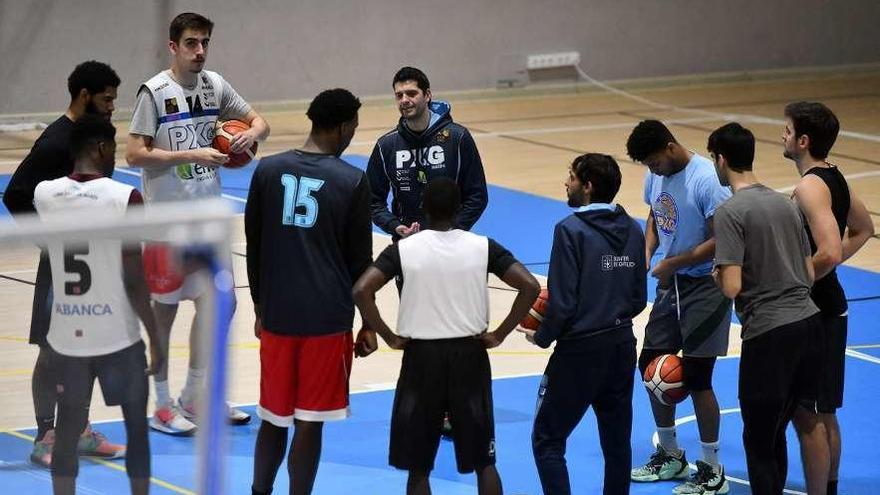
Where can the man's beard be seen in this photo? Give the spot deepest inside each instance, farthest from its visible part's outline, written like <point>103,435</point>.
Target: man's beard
<point>92,109</point>
<point>576,200</point>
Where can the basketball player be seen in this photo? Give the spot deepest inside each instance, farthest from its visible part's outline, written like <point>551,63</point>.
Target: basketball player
<point>425,144</point>
<point>444,312</point>
<point>307,223</point>
<point>598,284</point>
<point>838,225</point>
<point>99,295</point>
<point>689,314</point>
<point>170,137</point>
<point>763,260</point>
<point>92,86</point>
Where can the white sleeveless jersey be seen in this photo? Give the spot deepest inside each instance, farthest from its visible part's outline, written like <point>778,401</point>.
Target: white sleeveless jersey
<point>91,314</point>
<point>445,293</point>
<point>186,121</point>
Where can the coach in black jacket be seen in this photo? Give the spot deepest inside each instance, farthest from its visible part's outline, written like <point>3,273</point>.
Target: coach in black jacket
<point>425,144</point>
<point>597,285</point>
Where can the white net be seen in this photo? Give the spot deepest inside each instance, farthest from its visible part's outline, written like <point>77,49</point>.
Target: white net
<point>202,231</point>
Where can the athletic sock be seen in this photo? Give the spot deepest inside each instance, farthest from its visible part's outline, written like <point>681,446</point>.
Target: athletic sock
<point>163,396</point>
<point>710,453</point>
<point>668,440</point>
<point>832,487</point>
<point>194,380</point>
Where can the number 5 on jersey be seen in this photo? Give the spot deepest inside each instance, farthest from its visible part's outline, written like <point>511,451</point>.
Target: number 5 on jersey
<point>298,193</point>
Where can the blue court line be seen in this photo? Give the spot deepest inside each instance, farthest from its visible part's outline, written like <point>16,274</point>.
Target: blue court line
<point>355,451</point>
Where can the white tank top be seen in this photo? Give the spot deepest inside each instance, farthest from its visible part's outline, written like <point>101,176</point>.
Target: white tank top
<point>186,121</point>
<point>91,314</point>
<point>445,291</point>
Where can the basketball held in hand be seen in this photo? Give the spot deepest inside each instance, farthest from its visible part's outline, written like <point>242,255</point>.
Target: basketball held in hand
<point>536,313</point>
<point>223,134</point>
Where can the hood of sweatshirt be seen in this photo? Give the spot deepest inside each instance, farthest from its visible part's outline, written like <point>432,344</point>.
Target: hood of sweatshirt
<point>442,109</point>
<point>614,225</point>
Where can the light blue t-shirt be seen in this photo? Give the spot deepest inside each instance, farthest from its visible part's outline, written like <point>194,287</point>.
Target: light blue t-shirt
<point>681,204</point>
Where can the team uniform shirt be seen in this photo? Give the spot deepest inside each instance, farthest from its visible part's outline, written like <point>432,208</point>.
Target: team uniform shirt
<point>180,118</point>
<point>445,294</point>
<point>309,238</point>
<point>682,203</point>
<point>775,281</point>
<point>404,161</point>
<point>91,313</point>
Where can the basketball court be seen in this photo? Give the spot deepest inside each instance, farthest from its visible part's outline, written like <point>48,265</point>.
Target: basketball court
<point>527,139</point>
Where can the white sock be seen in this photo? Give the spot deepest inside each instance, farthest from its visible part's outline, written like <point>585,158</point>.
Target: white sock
<point>668,440</point>
<point>710,453</point>
<point>163,396</point>
<point>195,379</point>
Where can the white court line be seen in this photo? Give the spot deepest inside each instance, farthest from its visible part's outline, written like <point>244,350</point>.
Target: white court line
<point>864,357</point>
<point>758,119</point>
<point>847,177</point>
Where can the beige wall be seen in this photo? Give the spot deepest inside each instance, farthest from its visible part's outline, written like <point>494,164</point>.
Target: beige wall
<point>275,49</point>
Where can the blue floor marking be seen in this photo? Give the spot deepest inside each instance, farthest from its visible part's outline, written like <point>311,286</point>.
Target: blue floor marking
<point>355,451</point>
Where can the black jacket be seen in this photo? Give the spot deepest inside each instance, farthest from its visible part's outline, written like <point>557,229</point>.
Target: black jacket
<point>597,280</point>
<point>404,161</point>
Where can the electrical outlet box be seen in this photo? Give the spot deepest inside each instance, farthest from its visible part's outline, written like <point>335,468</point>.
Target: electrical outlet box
<point>553,60</point>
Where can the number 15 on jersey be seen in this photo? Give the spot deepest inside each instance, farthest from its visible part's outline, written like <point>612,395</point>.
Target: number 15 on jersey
<point>298,195</point>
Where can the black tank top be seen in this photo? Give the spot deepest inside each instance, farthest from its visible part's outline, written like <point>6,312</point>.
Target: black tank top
<point>827,292</point>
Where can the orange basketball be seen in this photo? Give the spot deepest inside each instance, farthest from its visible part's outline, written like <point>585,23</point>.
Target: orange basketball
<point>223,133</point>
<point>536,313</point>
<point>664,379</point>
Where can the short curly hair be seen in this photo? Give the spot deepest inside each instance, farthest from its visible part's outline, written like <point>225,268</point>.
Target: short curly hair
<point>332,108</point>
<point>649,137</point>
<point>93,76</point>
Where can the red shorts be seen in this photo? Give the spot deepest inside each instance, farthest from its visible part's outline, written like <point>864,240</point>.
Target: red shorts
<point>165,276</point>
<point>304,377</point>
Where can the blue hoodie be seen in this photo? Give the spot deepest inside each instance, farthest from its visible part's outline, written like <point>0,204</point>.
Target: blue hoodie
<point>597,280</point>
<point>404,161</point>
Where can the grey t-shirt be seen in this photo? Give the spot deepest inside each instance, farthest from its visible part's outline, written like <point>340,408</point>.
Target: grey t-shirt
<point>762,231</point>
<point>145,120</point>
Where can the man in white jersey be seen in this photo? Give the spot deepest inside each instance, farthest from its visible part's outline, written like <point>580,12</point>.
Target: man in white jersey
<point>170,137</point>
<point>100,293</point>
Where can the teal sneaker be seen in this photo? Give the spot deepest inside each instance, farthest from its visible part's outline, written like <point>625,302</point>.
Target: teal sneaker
<point>661,466</point>
<point>41,455</point>
<point>707,480</point>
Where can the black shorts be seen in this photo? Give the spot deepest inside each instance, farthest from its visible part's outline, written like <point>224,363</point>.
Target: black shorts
<point>121,375</point>
<point>41,311</point>
<point>834,335</point>
<point>437,376</point>
<point>783,365</point>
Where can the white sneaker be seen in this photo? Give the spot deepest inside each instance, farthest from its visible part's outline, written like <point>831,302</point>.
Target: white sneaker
<point>169,419</point>
<point>234,416</point>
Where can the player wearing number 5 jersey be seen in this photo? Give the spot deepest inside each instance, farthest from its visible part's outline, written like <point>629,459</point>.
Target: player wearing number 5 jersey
<point>309,238</point>
<point>99,295</point>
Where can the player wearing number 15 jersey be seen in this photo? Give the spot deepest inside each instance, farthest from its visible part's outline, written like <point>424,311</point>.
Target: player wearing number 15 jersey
<point>309,238</point>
